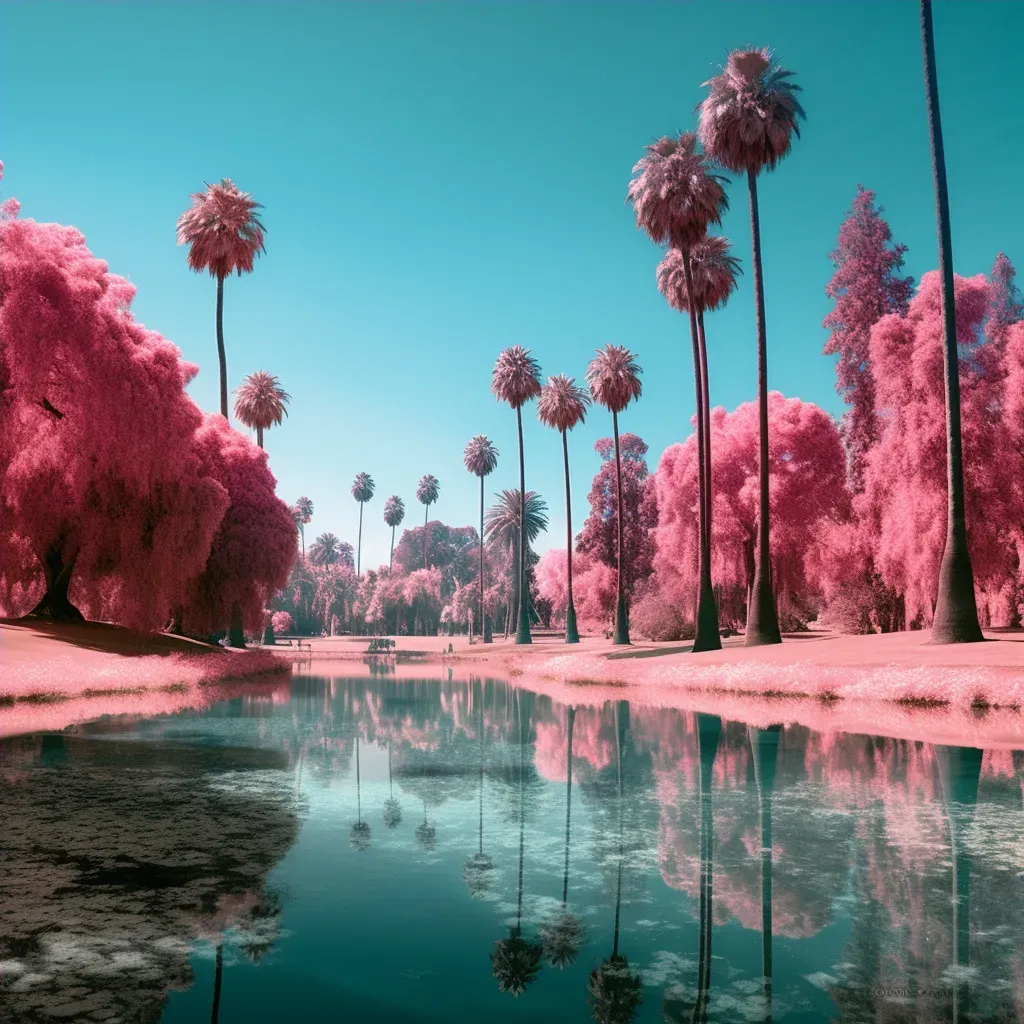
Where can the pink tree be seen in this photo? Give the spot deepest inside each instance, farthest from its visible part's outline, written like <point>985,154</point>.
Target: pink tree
<point>254,546</point>
<point>103,500</point>
<point>866,286</point>
<point>806,469</point>
<point>906,477</point>
<point>599,537</point>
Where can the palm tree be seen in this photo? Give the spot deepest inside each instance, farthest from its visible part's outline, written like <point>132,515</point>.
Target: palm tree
<point>615,992</point>
<point>515,961</point>
<point>481,458</point>
<point>476,872</point>
<point>764,745</point>
<point>504,525</point>
<point>325,550</point>
<point>359,834</point>
<point>427,492</point>
<point>959,772</point>
<point>302,512</point>
<point>562,405</point>
<point>956,613</point>
<point>747,123</point>
<point>516,379</point>
<point>223,234</point>
<point>394,513</point>
<point>713,278</point>
<point>392,813</point>
<point>563,937</point>
<point>362,491</point>
<point>260,403</point>
<point>426,834</point>
<point>675,198</point>
<point>709,731</point>
<point>614,379</point>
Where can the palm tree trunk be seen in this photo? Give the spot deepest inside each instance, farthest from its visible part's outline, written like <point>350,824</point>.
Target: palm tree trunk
<point>359,542</point>
<point>621,624</point>
<point>705,388</point>
<point>302,534</point>
<point>618,887</point>
<point>706,637</point>
<point>764,744</point>
<point>483,622</point>
<point>523,615</point>
<point>218,975</point>
<point>762,620</point>
<point>568,803</point>
<point>522,809</point>
<point>709,731</point>
<point>480,846</point>
<point>259,436</point>
<point>572,635</point>
<point>391,557</point>
<point>221,353</point>
<point>426,539</point>
<point>956,613</point>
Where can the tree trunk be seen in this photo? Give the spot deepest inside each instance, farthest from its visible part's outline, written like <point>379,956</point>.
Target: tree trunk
<point>302,534</point>
<point>523,614</point>
<point>221,353</point>
<point>426,539</point>
<point>956,613</point>
<point>762,620</point>
<point>568,802</point>
<point>706,637</point>
<point>485,633</point>
<point>709,731</point>
<point>391,557</point>
<point>359,542</point>
<point>54,604</point>
<point>572,635</point>
<point>236,635</point>
<point>621,625</point>
<point>764,745</point>
<point>218,974</point>
<point>259,436</point>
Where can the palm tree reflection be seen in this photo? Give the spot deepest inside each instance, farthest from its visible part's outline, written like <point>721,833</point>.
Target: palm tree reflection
<point>359,834</point>
<point>515,961</point>
<point>615,993</point>
<point>476,872</point>
<point>563,936</point>
<point>392,812</point>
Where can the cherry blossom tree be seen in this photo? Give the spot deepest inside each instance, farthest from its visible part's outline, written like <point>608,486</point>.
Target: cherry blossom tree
<point>224,235</point>
<point>747,123</point>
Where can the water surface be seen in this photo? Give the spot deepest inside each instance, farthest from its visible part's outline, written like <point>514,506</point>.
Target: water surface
<point>384,850</point>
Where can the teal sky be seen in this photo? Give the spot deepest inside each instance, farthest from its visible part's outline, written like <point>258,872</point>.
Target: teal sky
<point>441,180</point>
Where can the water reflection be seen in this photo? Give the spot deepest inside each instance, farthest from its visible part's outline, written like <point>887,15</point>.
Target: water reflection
<point>606,861</point>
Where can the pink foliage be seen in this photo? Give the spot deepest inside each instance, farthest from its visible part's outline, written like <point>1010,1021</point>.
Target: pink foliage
<point>99,470</point>
<point>905,473</point>
<point>712,268</point>
<point>593,585</point>
<point>807,484</point>
<point>281,622</point>
<point>865,287</point>
<point>256,543</point>
<point>599,537</point>
<point>614,377</point>
<point>222,230</point>
<point>562,405</point>
<point>516,377</point>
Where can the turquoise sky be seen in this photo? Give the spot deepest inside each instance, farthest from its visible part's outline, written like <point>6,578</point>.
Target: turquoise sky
<point>441,180</point>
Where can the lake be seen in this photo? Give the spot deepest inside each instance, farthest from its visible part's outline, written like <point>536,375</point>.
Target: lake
<point>382,849</point>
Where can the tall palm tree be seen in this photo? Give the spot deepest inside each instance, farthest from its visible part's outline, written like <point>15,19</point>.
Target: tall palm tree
<point>260,403</point>
<point>713,278</point>
<point>515,380</point>
<point>615,993</point>
<point>764,745</point>
<point>503,525</point>
<point>224,235</point>
<point>362,491</point>
<point>325,550</point>
<point>562,405</point>
<point>392,812</point>
<point>427,492</point>
<point>481,458</point>
<point>747,123</point>
<point>394,513</point>
<point>359,834</point>
<point>515,961</point>
<point>563,936</point>
<point>956,612</point>
<point>959,772</point>
<point>675,197</point>
<point>614,379</point>
<point>303,513</point>
<point>476,872</point>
